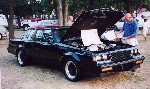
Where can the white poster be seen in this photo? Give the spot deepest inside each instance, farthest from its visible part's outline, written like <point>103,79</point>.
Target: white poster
<point>90,37</point>
<point>109,35</point>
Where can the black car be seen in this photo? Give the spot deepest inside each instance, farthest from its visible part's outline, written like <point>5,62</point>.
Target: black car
<point>68,47</point>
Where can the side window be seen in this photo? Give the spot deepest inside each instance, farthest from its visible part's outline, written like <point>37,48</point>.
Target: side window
<point>39,35</point>
<point>26,34</point>
<point>32,35</point>
<point>47,36</point>
<point>56,35</point>
<point>29,35</point>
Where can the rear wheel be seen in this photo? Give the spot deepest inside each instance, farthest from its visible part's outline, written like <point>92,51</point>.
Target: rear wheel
<point>25,27</point>
<point>22,58</point>
<point>72,70</point>
<point>0,36</point>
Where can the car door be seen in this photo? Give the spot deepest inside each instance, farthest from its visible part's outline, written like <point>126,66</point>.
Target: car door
<point>47,52</point>
<point>29,40</point>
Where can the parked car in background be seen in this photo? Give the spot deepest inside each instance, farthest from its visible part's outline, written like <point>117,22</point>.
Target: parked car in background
<point>26,23</point>
<point>3,32</point>
<point>120,23</point>
<point>3,21</point>
<point>140,17</point>
<point>15,23</point>
<point>78,49</point>
<point>48,23</point>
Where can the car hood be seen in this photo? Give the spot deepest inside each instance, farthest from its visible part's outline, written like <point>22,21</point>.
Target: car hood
<point>93,19</point>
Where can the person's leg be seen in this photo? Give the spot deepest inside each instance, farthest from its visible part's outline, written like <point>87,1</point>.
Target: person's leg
<point>144,35</point>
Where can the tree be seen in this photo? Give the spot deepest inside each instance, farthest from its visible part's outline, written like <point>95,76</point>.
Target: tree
<point>4,7</point>
<point>10,19</point>
<point>48,6</point>
<point>65,12</point>
<point>130,5</point>
<point>60,15</point>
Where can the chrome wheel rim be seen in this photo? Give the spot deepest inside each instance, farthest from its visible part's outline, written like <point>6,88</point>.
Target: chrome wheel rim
<point>71,70</point>
<point>0,36</point>
<point>26,28</point>
<point>20,60</point>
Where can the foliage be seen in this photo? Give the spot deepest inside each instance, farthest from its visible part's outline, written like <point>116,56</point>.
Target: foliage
<point>48,5</point>
<point>4,7</point>
<point>23,8</point>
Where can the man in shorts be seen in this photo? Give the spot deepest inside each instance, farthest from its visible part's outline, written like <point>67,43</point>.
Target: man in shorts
<point>130,29</point>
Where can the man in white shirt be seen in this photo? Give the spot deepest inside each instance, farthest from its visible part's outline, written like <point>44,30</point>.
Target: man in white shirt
<point>145,28</point>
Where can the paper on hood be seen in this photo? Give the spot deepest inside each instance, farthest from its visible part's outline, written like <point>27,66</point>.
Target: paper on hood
<point>90,37</point>
<point>109,35</point>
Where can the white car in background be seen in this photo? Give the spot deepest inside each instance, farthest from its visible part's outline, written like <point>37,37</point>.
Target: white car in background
<point>26,23</point>
<point>3,21</point>
<point>120,23</point>
<point>3,32</point>
<point>139,19</point>
<point>142,16</point>
<point>48,23</point>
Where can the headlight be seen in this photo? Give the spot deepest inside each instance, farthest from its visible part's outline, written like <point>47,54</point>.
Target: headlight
<point>104,56</point>
<point>98,58</point>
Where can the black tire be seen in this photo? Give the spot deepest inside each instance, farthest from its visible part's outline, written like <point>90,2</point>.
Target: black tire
<point>1,36</point>
<point>72,70</point>
<point>7,28</point>
<point>21,58</point>
<point>25,26</point>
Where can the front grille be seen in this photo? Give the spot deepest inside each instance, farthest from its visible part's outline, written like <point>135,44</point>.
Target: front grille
<point>120,56</point>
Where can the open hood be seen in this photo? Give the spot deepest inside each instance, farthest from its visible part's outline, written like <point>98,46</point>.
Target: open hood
<point>94,19</point>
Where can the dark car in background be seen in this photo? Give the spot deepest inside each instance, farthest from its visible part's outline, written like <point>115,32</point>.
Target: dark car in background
<point>78,49</point>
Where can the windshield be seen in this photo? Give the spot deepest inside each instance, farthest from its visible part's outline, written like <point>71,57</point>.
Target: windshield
<point>54,33</point>
<point>59,33</point>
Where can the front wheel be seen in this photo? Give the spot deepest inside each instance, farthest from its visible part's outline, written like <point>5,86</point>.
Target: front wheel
<point>72,70</point>
<point>21,58</point>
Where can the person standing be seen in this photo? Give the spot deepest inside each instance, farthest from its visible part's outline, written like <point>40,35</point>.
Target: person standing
<point>70,21</point>
<point>145,28</point>
<point>130,29</point>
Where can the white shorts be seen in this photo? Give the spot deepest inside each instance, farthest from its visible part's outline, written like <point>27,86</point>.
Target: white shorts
<point>131,41</point>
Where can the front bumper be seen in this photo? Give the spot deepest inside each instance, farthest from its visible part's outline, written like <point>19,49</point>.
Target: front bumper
<point>127,65</point>
<point>122,66</point>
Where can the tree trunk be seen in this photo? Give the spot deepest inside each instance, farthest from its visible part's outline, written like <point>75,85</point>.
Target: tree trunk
<point>10,19</point>
<point>130,7</point>
<point>65,12</point>
<point>48,13</point>
<point>60,15</point>
<point>19,22</point>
